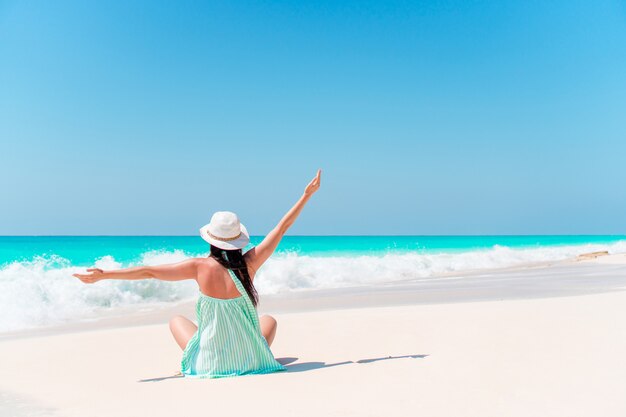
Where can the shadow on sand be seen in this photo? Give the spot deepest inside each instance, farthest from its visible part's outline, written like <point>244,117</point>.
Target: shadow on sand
<point>308,366</point>
<point>305,366</point>
<point>162,378</point>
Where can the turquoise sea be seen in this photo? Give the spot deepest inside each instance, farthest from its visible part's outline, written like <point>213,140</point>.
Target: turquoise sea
<point>37,287</point>
<point>85,250</point>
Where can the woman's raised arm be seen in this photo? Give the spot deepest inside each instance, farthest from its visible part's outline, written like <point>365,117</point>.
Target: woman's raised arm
<point>257,256</point>
<point>186,269</point>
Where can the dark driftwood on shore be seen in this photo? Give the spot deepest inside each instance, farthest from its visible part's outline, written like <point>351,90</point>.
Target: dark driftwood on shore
<point>592,255</point>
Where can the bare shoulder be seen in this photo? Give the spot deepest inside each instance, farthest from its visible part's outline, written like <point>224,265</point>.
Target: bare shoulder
<point>204,263</point>
<point>202,260</point>
<point>205,269</point>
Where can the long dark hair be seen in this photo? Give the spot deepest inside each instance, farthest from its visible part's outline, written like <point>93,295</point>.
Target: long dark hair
<point>233,259</point>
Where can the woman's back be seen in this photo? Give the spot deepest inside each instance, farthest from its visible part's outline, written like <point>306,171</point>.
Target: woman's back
<point>214,280</point>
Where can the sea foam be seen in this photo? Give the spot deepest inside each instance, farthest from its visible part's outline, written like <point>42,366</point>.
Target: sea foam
<point>42,291</point>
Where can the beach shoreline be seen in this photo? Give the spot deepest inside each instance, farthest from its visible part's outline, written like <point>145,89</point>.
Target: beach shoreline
<point>520,282</point>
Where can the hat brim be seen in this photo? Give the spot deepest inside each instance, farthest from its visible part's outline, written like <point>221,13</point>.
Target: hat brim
<point>239,243</point>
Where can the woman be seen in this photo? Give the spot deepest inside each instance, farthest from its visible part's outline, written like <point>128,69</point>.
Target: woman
<point>230,339</point>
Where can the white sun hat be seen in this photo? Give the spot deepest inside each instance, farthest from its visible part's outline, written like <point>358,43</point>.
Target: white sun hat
<point>225,231</point>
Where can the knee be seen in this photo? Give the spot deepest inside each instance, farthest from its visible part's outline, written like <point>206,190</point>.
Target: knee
<point>269,320</point>
<point>174,321</point>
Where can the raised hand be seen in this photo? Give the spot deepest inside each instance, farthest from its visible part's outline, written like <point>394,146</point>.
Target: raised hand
<point>96,274</point>
<point>314,185</point>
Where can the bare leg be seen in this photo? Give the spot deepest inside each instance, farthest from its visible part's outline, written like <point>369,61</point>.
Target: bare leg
<point>268,328</point>
<point>182,328</point>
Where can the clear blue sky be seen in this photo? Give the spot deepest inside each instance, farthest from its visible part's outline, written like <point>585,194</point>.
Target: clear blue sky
<point>434,117</point>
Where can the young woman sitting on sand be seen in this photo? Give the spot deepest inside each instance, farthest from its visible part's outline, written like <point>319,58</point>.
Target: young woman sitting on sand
<point>230,339</point>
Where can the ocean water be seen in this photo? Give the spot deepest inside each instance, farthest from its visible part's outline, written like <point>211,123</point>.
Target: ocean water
<point>37,288</point>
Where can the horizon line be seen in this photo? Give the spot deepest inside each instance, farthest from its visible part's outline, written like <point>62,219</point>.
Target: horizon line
<point>342,235</point>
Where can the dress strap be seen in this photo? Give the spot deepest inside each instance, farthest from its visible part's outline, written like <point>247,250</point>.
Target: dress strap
<point>244,294</point>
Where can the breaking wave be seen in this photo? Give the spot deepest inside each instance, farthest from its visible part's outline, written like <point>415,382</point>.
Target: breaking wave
<point>42,291</point>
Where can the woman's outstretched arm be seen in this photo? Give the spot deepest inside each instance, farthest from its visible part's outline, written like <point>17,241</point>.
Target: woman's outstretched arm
<point>257,256</point>
<point>186,269</point>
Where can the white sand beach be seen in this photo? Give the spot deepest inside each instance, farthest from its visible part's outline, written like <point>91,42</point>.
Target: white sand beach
<point>541,341</point>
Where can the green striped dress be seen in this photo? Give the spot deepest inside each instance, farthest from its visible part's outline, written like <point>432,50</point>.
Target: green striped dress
<point>229,340</point>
